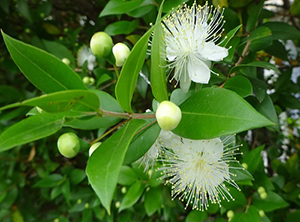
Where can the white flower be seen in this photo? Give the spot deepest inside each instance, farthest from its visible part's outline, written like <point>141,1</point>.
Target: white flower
<point>197,170</point>
<point>191,35</point>
<point>121,53</point>
<point>85,54</point>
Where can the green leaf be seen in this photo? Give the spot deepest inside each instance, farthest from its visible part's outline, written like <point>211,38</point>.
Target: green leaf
<point>239,199</point>
<point>121,27</point>
<point>259,88</point>
<point>261,64</point>
<point>77,176</point>
<point>141,143</point>
<point>107,102</point>
<point>253,11</point>
<point>104,165</point>
<point>169,5</point>
<point>82,100</point>
<point>158,63</point>
<point>195,216</point>
<point>117,7</point>
<point>153,200</point>
<point>133,195</point>
<point>49,181</point>
<point>230,35</point>
<point>250,215</point>
<point>240,174</point>
<point>282,30</point>
<point>213,112</point>
<point>272,202</point>
<point>260,39</point>
<point>278,50</point>
<point>45,71</point>
<point>293,216</point>
<point>31,129</point>
<point>130,71</point>
<point>252,159</point>
<point>239,84</point>
<point>127,176</point>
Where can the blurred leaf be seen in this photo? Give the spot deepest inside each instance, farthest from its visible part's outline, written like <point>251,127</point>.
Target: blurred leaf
<point>178,96</point>
<point>272,202</point>
<point>77,176</point>
<point>82,100</point>
<point>260,38</point>
<point>127,176</point>
<point>261,64</point>
<point>253,11</point>
<point>104,165</point>
<point>282,30</point>
<point>239,84</point>
<point>51,28</point>
<point>117,7</point>
<point>238,4</point>
<point>121,27</point>
<point>251,215</point>
<point>31,129</point>
<point>231,18</point>
<point>45,71</point>
<point>278,50</point>
<point>133,195</point>
<point>220,3</point>
<point>23,8</point>
<point>169,5</point>
<point>259,87</point>
<point>158,62</point>
<point>293,216</point>
<point>216,110</point>
<point>195,216</point>
<point>252,159</point>
<point>153,200</point>
<point>295,8</point>
<point>240,174</point>
<point>141,143</point>
<point>49,181</point>
<point>142,10</point>
<point>239,199</point>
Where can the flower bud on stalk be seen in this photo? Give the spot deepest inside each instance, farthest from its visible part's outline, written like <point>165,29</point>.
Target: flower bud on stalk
<point>121,53</point>
<point>168,115</point>
<point>68,145</point>
<point>93,148</point>
<point>101,44</point>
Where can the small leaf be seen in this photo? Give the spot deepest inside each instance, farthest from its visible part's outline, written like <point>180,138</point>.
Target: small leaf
<point>82,100</point>
<point>49,181</point>
<point>116,7</point>
<point>239,84</point>
<point>127,176</point>
<point>158,62</point>
<point>133,195</point>
<point>261,64</point>
<point>45,71</point>
<point>195,216</point>
<point>250,216</point>
<point>252,159</point>
<point>253,11</point>
<point>104,165</point>
<point>230,35</point>
<point>31,129</point>
<point>153,200</point>
<point>271,203</point>
<point>121,27</point>
<point>282,30</point>
<point>213,112</point>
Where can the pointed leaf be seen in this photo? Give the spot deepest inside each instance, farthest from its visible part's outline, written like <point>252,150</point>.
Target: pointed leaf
<point>105,164</point>
<point>42,69</point>
<point>261,64</point>
<point>213,112</point>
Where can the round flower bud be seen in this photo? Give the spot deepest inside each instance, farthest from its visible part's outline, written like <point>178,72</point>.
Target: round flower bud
<point>245,165</point>
<point>261,190</point>
<point>94,147</point>
<point>68,145</point>
<point>117,204</point>
<point>123,190</point>
<point>168,115</point>
<point>66,61</point>
<point>101,44</point>
<point>261,213</point>
<point>230,214</point>
<point>91,81</point>
<point>86,80</point>
<point>121,53</point>
<point>263,195</point>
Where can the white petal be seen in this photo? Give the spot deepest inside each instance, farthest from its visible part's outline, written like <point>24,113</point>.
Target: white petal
<point>185,83</point>
<point>213,52</point>
<point>199,72</point>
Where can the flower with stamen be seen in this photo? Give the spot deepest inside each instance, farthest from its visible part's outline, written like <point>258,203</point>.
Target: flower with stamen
<point>197,170</point>
<point>191,34</point>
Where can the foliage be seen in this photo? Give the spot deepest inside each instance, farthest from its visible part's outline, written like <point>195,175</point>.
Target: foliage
<point>51,84</point>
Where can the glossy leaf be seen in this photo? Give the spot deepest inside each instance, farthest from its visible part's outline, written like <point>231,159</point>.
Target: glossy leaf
<point>133,195</point>
<point>261,64</point>
<point>158,63</point>
<point>253,11</point>
<point>252,159</point>
<point>82,100</point>
<point>250,215</point>
<point>44,70</point>
<point>213,112</point>
<point>196,216</point>
<point>121,27</point>
<point>116,7</point>
<point>282,30</point>
<point>130,71</point>
<point>153,200</point>
<point>239,84</point>
<point>272,202</point>
<point>260,38</point>
<point>105,163</point>
<point>230,35</point>
<point>31,129</point>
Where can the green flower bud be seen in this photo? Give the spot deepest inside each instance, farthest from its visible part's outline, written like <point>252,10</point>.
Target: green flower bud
<point>79,201</point>
<point>66,61</point>
<point>263,195</point>
<point>168,115</point>
<point>87,205</point>
<point>245,165</point>
<point>94,147</point>
<point>261,213</point>
<point>86,80</point>
<point>121,53</point>
<point>117,204</point>
<point>230,214</point>
<point>261,190</point>
<point>101,44</point>
<point>68,145</point>
<point>123,190</point>
<point>91,81</point>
